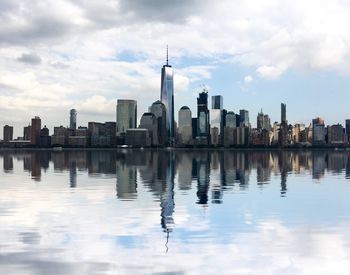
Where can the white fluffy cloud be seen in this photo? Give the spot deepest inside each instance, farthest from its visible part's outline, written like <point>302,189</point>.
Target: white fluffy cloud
<point>114,49</point>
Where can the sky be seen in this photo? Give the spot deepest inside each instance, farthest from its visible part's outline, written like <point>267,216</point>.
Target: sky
<point>58,55</point>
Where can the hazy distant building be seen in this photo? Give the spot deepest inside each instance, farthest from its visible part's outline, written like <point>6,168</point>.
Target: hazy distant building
<point>8,133</point>
<point>263,121</point>
<point>228,133</point>
<point>158,109</point>
<point>185,126</point>
<point>167,98</point>
<point>318,131</point>
<point>73,119</point>
<point>126,115</point>
<point>35,131</point>
<point>216,126</point>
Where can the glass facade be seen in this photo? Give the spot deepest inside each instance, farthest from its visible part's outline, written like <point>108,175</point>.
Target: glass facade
<point>167,98</point>
<point>126,115</point>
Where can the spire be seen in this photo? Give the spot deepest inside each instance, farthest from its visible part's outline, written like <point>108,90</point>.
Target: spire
<point>167,55</point>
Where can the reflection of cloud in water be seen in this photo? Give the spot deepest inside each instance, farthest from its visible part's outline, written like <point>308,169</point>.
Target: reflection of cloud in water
<point>270,249</point>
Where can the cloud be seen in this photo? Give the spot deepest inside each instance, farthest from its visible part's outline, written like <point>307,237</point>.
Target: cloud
<point>83,44</point>
<point>30,58</point>
<point>270,72</point>
<point>248,79</point>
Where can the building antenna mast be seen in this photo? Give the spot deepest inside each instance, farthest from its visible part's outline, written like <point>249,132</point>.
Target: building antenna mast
<point>167,55</point>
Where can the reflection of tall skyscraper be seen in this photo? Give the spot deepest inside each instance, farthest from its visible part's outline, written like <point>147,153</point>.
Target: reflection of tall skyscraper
<point>167,98</point>
<point>126,181</point>
<point>126,115</point>
<point>36,167</point>
<point>167,203</point>
<point>203,171</point>
<point>73,174</point>
<point>8,162</point>
<point>73,119</point>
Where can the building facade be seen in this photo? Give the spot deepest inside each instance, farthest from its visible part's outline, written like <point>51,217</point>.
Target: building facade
<point>126,115</point>
<point>73,119</point>
<point>185,126</point>
<point>167,98</point>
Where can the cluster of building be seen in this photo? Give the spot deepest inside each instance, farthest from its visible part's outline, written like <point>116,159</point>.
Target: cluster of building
<point>214,127</point>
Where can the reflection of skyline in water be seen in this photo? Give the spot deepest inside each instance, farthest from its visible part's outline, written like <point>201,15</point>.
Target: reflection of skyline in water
<point>198,201</point>
<point>215,170</point>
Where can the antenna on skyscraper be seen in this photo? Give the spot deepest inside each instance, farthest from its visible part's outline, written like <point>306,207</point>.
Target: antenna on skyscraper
<point>167,55</point>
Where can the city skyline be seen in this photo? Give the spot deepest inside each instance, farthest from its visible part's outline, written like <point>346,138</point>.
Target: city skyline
<point>254,54</point>
<point>214,127</point>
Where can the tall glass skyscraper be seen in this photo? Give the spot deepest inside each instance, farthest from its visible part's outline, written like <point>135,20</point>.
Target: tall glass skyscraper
<point>73,119</point>
<point>167,98</point>
<point>126,115</point>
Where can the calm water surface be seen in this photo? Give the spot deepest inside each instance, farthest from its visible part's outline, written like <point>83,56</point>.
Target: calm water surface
<point>182,212</point>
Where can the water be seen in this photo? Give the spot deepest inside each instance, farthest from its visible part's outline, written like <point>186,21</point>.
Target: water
<point>178,212</point>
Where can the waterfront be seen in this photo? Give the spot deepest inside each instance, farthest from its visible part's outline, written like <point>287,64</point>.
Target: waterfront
<point>193,211</point>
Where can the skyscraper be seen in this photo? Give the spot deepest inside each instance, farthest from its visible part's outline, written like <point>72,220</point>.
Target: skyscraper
<point>283,113</point>
<point>231,120</point>
<point>73,119</point>
<point>149,121</point>
<point>347,128</point>
<point>217,102</point>
<point>158,109</point>
<point>244,117</point>
<point>203,114</point>
<point>263,121</point>
<point>35,130</point>
<point>185,125</point>
<point>167,98</point>
<point>8,133</point>
<point>318,131</point>
<point>126,115</point>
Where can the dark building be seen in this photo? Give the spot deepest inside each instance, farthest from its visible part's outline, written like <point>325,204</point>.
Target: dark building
<point>35,131</point>
<point>45,139</point>
<point>149,122</point>
<point>238,120</point>
<point>217,102</point>
<point>335,134</point>
<point>158,109</point>
<point>203,115</point>
<point>347,129</point>
<point>73,119</point>
<point>194,127</point>
<point>284,113</point>
<point>26,132</point>
<point>8,133</point>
